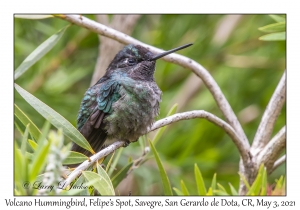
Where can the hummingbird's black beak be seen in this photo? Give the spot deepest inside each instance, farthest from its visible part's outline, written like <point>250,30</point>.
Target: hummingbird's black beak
<point>169,52</point>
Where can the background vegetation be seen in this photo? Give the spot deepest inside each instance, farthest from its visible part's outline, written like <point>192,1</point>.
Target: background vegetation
<point>246,68</point>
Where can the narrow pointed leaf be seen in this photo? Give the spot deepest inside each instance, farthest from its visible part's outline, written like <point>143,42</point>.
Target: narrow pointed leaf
<point>275,27</point>
<point>214,183</point>
<point>245,181</point>
<point>19,164</point>
<point>162,171</point>
<point>33,16</point>
<point>33,144</point>
<point>178,192</point>
<point>110,161</point>
<point>264,183</point>
<point>222,188</point>
<point>33,129</point>
<point>161,130</point>
<point>278,187</point>
<point>220,192</point>
<point>55,119</point>
<point>24,140</point>
<point>121,175</point>
<point>40,154</point>
<point>183,188</point>
<point>210,191</point>
<point>115,161</point>
<point>233,191</point>
<point>280,36</point>
<point>81,191</point>
<point>39,161</point>
<point>256,186</point>
<point>81,180</point>
<point>102,185</point>
<point>103,174</point>
<point>39,52</point>
<point>277,18</point>
<point>74,158</point>
<point>19,128</point>
<point>199,180</point>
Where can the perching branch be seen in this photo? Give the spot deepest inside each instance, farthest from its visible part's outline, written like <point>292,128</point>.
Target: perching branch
<point>242,147</point>
<point>83,166</point>
<point>265,129</point>
<point>183,61</point>
<point>273,149</point>
<point>160,123</point>
<point>277,163</point>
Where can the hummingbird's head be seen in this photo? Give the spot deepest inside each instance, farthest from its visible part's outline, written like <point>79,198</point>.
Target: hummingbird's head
<point>134,60</point>
<point>138,62</point>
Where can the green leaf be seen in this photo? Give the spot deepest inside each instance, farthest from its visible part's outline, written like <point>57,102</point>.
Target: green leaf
<point>19,164</point>
<point>199,180</point>
<point>245,181</point>
<point>33,16</point>
<point>280,36</point>
<point>33,129</point>
<point>277,18</point>
<point>82,191</point>
<point>20,172</point>
<point>102,185</point>
<point>39,161</point>
<point>39,157</point>
<point>214,183</point>
<point>74,158</point>
<point>161,130</point>
<point>110,161</point>
<point>141,142</point>
<point>220,192</point>
<point>115,161</point>
<point>275,27</point>
<point>121,175</point>
<point>33,144</point>
<point>55,119</point>
<point>264,183</point>
<point>18,127</point>
<point>256,186</point>
<point>222,188</point>
<point>178,192</point>
<point>39,52</point>
<point>163,174</point>
<point>24,140</point>
<point>103,174</point>
<point>210,191</point>
<point>184,189</point>
<point>233,191</point>
<point>279,184</point>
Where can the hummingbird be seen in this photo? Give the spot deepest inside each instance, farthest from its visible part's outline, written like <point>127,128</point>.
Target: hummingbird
<point>124,102</point>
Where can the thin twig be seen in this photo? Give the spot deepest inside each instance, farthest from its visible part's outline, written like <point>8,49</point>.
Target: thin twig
<point>265,129</point>
<point>273,149</point>
<point>183,61</point>
<point>83,166</point>
<point>160,123</point>
<point>277,163</point>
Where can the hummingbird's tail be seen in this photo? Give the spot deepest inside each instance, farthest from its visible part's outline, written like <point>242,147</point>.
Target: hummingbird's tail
<point>96,139</point>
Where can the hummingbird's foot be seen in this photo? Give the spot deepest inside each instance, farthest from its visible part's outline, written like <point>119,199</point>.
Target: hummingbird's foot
<point>126,143</point>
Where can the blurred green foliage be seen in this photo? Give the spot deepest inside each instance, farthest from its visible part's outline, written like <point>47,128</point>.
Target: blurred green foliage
<point>246,69</point>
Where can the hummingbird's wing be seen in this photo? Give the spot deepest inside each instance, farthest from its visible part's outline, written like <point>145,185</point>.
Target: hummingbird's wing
<point>95,106</point>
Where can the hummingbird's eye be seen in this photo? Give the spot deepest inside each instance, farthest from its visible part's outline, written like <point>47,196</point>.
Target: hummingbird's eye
<point>131,61</point>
